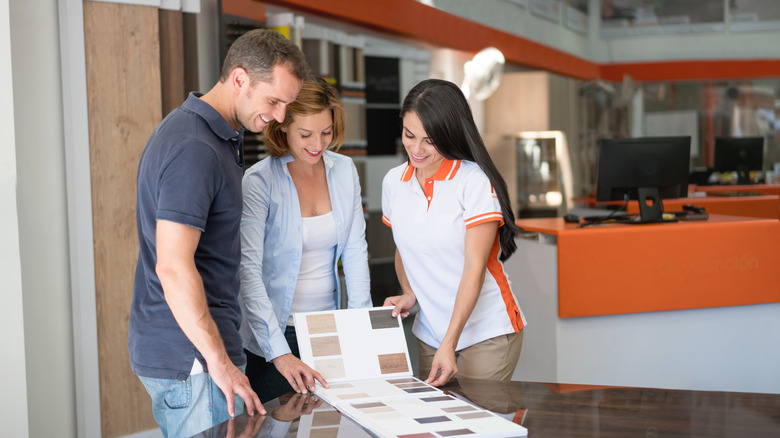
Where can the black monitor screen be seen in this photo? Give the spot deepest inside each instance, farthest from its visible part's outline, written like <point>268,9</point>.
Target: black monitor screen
<point>739,154</point>
<point>628,166</point>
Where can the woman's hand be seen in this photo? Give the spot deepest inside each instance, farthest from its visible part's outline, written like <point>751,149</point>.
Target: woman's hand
<point>443,367</point>
<point>297,406</point>
<point>403,304</point>
<point>300,376</point>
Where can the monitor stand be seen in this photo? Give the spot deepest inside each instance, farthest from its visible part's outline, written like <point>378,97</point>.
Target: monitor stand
<point>651,207</point>
<point>743,175</point>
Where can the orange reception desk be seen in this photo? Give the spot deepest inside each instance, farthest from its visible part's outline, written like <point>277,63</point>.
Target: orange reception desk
<point>727,203</point>
<point>685,305</point>
<point>753,189</point>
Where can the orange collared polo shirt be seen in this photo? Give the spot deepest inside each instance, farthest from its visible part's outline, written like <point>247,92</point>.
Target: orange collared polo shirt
<point>429,228</point>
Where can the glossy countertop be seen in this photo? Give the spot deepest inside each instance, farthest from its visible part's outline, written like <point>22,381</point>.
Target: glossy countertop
<point>555,410</point>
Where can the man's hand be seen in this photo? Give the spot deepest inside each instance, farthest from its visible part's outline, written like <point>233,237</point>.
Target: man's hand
<point>253,423</point>
<point>233,382</point>
<point>184,293</point>
<point>300,376</point>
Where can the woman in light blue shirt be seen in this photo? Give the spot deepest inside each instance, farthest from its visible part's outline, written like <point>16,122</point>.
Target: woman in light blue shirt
<point>302,214</point>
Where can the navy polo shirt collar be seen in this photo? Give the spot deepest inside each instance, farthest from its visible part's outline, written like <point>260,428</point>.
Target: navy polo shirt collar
<point>216,122</point>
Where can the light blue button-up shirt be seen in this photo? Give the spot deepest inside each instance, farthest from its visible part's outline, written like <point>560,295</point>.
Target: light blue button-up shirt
<point>271,247</point>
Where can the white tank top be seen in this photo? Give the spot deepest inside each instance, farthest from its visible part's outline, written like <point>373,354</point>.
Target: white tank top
<point>316,279</point>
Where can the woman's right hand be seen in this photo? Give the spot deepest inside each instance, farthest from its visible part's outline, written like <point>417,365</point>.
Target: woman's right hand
<point>300,376</point>
<point>402,304</point>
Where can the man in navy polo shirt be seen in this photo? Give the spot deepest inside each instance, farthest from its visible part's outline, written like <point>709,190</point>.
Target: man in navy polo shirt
<point>184,341</point>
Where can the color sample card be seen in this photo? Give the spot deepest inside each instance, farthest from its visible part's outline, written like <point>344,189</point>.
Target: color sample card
<point>376,389</point>
<point>327,422</point>
<point>363,355</point>
<point>430,416</point>
<point>353,344</point>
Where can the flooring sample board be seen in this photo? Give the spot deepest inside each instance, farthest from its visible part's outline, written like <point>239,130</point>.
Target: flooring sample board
<point>363,355</point>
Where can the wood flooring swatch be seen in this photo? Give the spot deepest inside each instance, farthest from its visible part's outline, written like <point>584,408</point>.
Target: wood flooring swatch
<point>325,418</point>
<point>393,363</point>
<point>325,346</point>
<point>382,319</point>
<point>322,323</point>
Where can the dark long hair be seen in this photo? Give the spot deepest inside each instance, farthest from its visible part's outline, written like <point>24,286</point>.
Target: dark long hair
<point>448,122</point>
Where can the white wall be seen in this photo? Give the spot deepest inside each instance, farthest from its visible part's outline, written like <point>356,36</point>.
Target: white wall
<point>42,223</point>
<point>13,397</point>
<point>510,18</point>
<point>209,64</point>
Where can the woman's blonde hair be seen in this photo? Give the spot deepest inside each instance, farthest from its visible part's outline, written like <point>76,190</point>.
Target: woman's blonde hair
<point>315,96</point>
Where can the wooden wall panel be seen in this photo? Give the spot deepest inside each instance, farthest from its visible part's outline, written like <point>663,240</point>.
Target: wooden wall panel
<point>190,31</point>
<point>521,103</point>
<point>124,106</point>
<point>171,59</point>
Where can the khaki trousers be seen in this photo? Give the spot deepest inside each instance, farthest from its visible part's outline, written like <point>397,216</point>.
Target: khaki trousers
<point>492,359</point>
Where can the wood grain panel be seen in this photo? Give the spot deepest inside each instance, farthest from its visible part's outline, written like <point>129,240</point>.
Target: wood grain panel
<point>171,59</point>
<point>325,418</point>
<point>321,323</point>
<point>190,31</point>
<point>123,92</point>
<point>381,319</point>
<point>393,363</point>
<point>325,346</point>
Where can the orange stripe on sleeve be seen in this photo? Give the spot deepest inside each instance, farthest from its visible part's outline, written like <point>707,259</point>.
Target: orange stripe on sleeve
<point>386,221</point>
<point>485,217</point>
<point>482,221</point>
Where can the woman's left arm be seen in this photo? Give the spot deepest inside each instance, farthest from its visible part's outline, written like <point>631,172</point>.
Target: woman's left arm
<point>479,241</point>
<point>354,258</point>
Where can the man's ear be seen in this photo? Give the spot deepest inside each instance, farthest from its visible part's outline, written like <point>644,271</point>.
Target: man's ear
<point>239,78</point>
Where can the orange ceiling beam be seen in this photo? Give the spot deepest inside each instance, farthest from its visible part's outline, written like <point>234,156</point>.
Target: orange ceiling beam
<point>416,21</point>
<point>693,70</point>
<point>244,8</point>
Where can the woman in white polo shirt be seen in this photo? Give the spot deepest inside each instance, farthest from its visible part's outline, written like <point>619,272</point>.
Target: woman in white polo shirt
<point>453,227</point>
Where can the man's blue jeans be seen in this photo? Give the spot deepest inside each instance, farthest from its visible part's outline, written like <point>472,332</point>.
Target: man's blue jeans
<point>183,408</point>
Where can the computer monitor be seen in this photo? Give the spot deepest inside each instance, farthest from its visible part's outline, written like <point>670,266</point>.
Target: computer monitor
<point>740,154</point>
<point>646,169</point>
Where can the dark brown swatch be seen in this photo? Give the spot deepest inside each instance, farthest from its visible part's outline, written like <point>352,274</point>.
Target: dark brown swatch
<point>436,399</point>
<point>438,419</point>
<point>419,389</point>
<point>382,319</point>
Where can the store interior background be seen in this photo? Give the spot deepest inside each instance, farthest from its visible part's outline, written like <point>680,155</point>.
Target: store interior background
<point>67,188</point>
